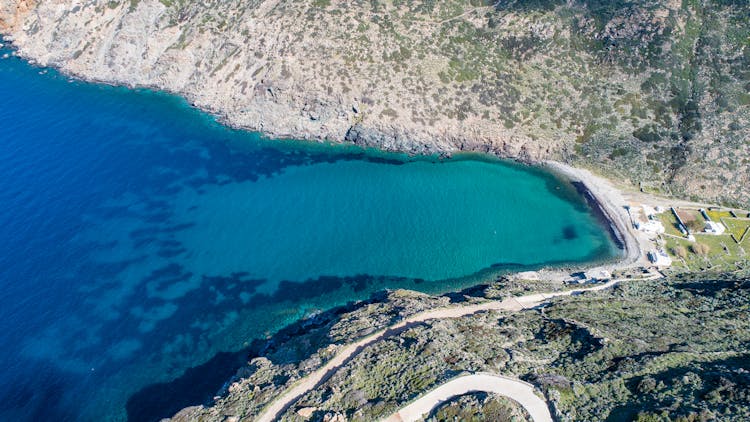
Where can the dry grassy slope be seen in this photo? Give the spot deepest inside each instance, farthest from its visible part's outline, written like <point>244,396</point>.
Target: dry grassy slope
<point>651,91</point>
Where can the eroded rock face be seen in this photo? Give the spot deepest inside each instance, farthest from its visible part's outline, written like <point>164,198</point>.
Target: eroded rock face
<point>12,14</point>
<point>648,91</point>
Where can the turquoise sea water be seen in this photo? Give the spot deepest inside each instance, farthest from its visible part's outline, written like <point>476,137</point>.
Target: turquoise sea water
<point>139,238</point>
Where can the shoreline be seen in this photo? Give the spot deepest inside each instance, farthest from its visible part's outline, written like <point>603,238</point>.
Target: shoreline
<point>608,199</point>
<point>390,137</point>
<point>289,99</point>
<point>605,200</point>
<point>290,395</point>
<point>601,191</point>
<point>611,203</point>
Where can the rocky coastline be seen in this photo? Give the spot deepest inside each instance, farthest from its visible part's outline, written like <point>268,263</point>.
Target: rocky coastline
<point>511,81</point>
<point>605,200</point>
<point>385,136</point>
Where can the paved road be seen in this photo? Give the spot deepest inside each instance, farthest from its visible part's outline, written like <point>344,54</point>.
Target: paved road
<point>316,378</point>
<point>520,391</point>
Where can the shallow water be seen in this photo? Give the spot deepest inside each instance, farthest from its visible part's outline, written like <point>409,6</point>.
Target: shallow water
<point>140,238</point>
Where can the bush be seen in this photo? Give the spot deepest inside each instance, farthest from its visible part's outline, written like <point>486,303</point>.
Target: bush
<point>647,385</point>
<point>648,133</point>
<point>695,225</point>
<point>700,249</point>
<point>680,252</point>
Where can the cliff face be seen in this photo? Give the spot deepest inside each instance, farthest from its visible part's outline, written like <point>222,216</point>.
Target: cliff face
<point>652,91</point>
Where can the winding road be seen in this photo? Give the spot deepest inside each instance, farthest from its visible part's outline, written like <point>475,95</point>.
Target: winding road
<point>520,391</point>
<point>345,355</point>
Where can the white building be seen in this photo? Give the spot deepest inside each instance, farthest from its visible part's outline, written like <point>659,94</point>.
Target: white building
<point>713,227</point>
<point>597,275</point>
<point>659,258</point>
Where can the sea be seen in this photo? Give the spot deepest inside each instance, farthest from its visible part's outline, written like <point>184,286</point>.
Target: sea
<point>144,245</point>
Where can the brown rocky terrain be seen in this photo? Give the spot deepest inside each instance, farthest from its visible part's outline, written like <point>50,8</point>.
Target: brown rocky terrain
<point>654,92</point>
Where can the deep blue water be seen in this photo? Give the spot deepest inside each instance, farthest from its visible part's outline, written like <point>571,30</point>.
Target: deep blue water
<point>139,238</point>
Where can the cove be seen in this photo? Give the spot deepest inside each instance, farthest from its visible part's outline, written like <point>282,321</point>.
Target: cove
<point>140,238</point>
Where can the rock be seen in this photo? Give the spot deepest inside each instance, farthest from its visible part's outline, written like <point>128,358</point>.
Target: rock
<point>553,380</point>
<point>235,387</point>
<point>367,137</point>
<point>306,412</point>
<point>334,417</point>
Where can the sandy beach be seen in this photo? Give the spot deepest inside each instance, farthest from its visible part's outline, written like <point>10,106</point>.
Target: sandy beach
<point>613,205</point>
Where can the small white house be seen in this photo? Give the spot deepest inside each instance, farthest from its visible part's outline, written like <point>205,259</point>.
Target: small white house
<point>598,275</point>
<point>714,227</point>
<point>659,258</point>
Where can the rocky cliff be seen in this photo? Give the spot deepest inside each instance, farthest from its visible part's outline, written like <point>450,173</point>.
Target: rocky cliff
<point>656,92</point>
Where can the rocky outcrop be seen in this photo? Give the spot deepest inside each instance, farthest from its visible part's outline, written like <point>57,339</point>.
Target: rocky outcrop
<point>13,13</point>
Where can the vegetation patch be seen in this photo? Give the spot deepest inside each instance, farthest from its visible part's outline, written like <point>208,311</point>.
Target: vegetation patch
<point>479,407</point>
<point>717,215</point>
<point>671,225</point>
<point>708,252</point>
<point>738,228</point>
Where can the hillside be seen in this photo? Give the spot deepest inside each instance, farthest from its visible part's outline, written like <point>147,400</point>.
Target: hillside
<point>667,350</point>
<point>650,91</point>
